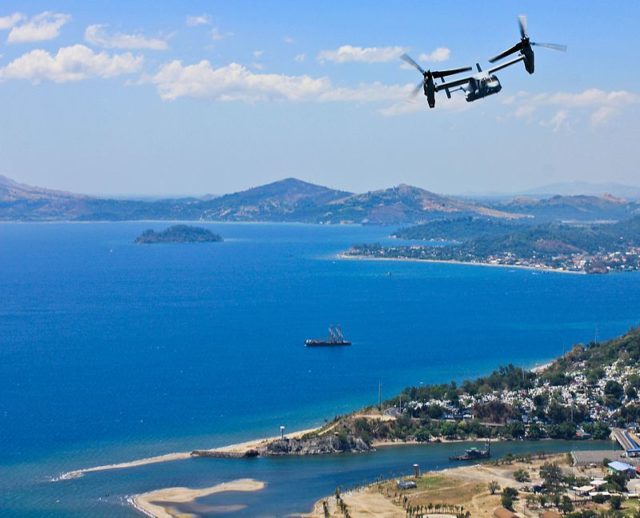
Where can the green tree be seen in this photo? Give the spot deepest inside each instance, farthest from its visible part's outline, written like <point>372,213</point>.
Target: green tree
<point>493,487</point>
<point>617,482</point>
<point>614,389</point>
<point>551,474</point>
<point>566,505</point>
<point>509,494</point>
<point>423,435</point>
<point>507,501</point>
<point>535,432</point>
<point>615,502</point>
<point>515,429</point>
<point>521,475</point>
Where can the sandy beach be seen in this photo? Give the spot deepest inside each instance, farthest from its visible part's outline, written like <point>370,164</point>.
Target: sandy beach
<point>159,503</point>
<point>238,448</point>
<point>541,368</point>
<point>464,263</point>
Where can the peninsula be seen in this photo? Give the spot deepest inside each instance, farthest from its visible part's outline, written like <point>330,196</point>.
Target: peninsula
<point>178,234</point>
<point>580,248</point>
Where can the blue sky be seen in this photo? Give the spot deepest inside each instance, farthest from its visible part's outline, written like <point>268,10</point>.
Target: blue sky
<point>210,97</point>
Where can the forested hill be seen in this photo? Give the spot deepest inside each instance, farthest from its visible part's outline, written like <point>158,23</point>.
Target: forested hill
<point>484,236</point>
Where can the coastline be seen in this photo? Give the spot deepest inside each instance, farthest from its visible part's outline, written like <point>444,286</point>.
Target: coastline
<point>230,449</point>
<point>452,261</point>
<point>239,449</point>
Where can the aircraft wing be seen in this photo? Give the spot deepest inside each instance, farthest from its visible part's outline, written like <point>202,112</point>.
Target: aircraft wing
<point>452,84</point>
<point>505,65</point>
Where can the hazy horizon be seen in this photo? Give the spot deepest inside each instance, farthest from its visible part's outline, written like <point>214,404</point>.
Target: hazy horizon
<point>547,189</point>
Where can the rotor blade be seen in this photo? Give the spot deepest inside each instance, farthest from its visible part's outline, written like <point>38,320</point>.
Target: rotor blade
<point>554,46</point>
<point>417,89</point>
<point>407,59</point>
<point>522,23</point>
<point>508,52</point>
<point>450,72</point>
<point>505,65</point>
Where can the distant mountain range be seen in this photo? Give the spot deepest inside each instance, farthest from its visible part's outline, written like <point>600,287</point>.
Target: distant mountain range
<point>629,192</point>
<point>567,208</point>
<point>292,200</point>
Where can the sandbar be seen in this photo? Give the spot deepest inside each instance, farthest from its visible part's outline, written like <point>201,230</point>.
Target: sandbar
<point>238,448</point>
<point>158,503</point>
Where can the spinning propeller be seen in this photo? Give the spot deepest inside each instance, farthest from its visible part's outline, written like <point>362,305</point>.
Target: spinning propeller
<point>524,47</point>
<point>428,78</point>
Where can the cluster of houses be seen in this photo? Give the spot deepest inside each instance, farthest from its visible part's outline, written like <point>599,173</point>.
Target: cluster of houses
<point>577,393</point>
<point>604,262</point>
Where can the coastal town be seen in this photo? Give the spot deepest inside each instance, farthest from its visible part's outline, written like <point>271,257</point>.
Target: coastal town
<point>600,262</point>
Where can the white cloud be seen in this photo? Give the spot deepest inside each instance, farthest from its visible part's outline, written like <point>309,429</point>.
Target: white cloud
<point>300,57</point>
<point>348,53</point>
<point>202,19</point>
<point>73,63</point>
<point>41,27</point>
<point>217,35</point>
<point>6,22</point>
<point>97,35</point>
<point>258,53</point>
<point>599,105</point>
<point>236,83</point>
<point>438,55</point>
<point>288,40</point>
<point>233,82</point>
<point>558,121</point>
<point>602,115</point>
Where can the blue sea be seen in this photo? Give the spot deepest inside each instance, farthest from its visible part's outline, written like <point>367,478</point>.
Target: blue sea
<point>111,351</point>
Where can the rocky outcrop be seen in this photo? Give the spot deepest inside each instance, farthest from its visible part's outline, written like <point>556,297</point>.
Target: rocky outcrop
<point>315,445</point>
<point>221,454</point>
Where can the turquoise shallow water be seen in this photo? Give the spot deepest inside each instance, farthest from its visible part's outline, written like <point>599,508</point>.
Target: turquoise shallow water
<point>111,351</point>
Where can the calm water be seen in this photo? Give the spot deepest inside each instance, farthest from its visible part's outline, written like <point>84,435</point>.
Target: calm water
<point>111,351</point>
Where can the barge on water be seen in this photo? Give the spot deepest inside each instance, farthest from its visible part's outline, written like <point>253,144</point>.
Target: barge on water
<point>335,339</point>
<point>474,454</point>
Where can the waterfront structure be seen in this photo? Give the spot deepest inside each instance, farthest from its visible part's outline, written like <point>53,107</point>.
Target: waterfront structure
<point>617,467</point>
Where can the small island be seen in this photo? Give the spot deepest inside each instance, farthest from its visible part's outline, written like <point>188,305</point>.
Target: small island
<point>178,234</point>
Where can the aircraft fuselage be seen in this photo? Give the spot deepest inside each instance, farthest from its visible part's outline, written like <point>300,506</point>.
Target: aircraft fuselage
<point>482,87</point>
